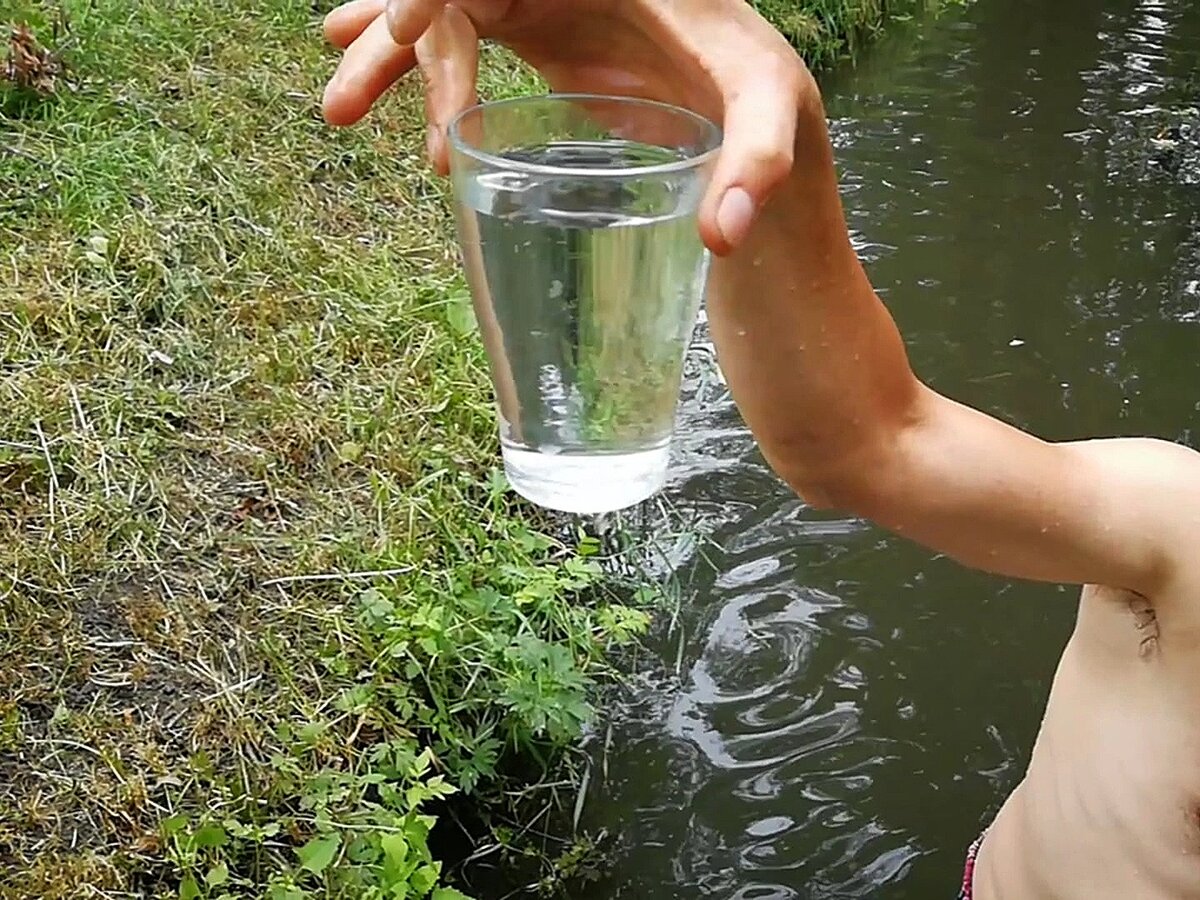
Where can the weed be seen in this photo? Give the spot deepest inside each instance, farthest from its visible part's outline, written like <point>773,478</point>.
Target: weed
<point>826,31</point>
<point>29,65</point>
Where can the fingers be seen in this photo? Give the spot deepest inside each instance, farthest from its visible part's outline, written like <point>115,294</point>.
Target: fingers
<point>409,19</point>
<point>448,54</point>
<point>348,21</point>
<point>760,134</point>
<point>371,64</point>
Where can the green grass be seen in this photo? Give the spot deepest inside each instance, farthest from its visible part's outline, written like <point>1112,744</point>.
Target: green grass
<point>826,31</point>
<point>264,600</point>
<point>233,368</point>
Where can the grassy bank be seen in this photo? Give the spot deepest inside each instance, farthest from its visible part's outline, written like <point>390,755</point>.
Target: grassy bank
<point>828,30</point>
<point>264,600</point>
<point>234,370</point>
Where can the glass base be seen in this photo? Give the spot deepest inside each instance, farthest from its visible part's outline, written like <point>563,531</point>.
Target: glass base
<point>586,484</point>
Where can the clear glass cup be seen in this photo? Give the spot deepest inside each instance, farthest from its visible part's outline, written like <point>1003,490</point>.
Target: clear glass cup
<point>577,224</point>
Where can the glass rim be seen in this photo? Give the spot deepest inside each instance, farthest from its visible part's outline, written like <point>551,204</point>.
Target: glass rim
<point>712,138</point>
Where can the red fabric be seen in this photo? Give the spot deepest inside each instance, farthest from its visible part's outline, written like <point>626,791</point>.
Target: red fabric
<point>968,882</point>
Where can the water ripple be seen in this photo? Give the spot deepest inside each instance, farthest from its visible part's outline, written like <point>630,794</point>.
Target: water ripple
<point>837,713</point>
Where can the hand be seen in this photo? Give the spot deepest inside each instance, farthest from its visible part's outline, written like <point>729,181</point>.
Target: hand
<point>716,57</point>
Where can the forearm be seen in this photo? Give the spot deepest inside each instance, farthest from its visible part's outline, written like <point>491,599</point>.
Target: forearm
<point>812,356</point>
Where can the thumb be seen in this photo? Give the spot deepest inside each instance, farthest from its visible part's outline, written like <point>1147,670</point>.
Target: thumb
<point>760,134</point>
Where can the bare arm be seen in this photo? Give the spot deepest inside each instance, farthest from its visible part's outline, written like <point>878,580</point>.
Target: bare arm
<point>819,371</point>
<point>814,360</point>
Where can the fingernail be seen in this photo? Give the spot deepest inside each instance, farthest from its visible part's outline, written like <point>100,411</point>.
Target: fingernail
<point>734,215</point>
<point>394,12</point>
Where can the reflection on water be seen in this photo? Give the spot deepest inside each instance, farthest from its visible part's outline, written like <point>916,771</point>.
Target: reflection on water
<point>835,713</point>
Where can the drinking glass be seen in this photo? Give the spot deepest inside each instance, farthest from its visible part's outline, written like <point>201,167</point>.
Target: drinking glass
<point>577,225</point>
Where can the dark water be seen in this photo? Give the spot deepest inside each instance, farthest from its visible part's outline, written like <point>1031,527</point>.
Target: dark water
<point>835,712</point>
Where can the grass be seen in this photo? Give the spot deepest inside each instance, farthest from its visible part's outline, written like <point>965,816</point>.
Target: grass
<point>826,31</point>
<point>234,379</point>
<point>265,602</point>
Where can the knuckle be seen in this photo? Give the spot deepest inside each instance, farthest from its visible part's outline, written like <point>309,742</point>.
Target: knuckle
<point>790,75</point>
<point>786,66</point>
<point>772,162</point>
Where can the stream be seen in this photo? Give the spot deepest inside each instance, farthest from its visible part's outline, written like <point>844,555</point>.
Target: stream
<point>834,712</point>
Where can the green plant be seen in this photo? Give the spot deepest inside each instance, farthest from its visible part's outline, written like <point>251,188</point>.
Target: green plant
<point>825,31</point>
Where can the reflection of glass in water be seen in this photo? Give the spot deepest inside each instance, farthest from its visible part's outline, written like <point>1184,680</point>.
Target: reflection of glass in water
<point>587,291</point>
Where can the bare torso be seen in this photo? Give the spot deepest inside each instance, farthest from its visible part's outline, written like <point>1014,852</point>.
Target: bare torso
<point>1110,804</point>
